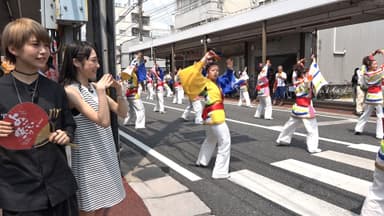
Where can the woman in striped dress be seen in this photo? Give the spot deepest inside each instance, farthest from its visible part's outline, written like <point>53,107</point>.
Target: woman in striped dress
<point>373,78</point>
<point>94,163</point>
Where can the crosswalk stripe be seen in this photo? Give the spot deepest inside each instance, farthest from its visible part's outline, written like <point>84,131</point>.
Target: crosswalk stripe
<point>347,159</point>
<point>288,197</point>
<point>365,147</point>
<point>336,179</point>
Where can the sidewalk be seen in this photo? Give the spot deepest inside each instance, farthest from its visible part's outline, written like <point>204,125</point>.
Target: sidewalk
<point>151,191</point>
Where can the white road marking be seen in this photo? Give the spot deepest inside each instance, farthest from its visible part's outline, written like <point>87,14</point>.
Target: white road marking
<point>318,113</point>
<point>274,128</point>
<point>345,121</point>
<point>171,164</point>
<point>288,197</point>
<point>347,159</point>
<point>336,179</point>
<point>366,147</point>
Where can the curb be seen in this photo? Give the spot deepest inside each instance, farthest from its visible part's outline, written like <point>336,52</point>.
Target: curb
<point>161,194</point>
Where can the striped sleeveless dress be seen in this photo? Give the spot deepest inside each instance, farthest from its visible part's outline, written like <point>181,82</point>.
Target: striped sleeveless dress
<point>94,162</point>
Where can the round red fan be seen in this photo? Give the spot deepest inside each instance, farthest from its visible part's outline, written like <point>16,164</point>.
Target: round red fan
<point>30,124</point>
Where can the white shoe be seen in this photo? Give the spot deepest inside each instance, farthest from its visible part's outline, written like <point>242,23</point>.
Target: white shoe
<point>199,121</point>
<point>222,176</point>
<point>315,151</point>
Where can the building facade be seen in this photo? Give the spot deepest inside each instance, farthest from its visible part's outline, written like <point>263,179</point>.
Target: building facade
<point>224,25</point>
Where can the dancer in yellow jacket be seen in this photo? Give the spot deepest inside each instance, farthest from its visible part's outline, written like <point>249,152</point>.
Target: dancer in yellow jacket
<point>217,131</point>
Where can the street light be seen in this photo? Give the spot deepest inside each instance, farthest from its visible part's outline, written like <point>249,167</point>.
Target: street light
<point>205,40</point>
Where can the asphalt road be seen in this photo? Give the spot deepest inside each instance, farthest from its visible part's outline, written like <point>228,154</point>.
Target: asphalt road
<point>265,179</point>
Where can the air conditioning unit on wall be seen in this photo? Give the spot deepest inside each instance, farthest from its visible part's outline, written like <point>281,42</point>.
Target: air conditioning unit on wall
<point>69,11</point>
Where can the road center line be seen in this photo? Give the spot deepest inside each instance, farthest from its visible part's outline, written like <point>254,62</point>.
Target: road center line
<point>273,128</point>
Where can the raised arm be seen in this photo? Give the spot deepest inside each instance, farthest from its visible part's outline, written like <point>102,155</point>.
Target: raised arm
<point>102,115</point>
<point>120,107</point>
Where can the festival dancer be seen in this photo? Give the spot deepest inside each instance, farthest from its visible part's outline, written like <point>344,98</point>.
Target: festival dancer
<point>151,92</point>
<point>374,202</point>
<point>158,76</point>
<point>263,94</point>
<point>168,90</point>
<point>217,131</point>
<point>302,111</point>
<point>141,72</point>
<point>244,95</point>
<point>194,105</point>
<point>373,77</point>
<point>136,111</point>
<point>179,91</point>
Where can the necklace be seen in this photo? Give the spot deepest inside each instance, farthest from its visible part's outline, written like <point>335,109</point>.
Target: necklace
<point>26,74</point>
<point>17,89</point>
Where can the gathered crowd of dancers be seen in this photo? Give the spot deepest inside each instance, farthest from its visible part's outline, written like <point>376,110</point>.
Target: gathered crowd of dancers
<point>201,83</point>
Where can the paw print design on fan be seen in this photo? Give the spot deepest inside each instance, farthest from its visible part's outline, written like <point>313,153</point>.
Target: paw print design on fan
<point>24,127</point>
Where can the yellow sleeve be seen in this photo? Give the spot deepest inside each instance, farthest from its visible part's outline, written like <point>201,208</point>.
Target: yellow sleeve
<point>193,80</point>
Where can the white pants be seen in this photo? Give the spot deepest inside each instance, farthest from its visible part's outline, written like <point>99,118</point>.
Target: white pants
<point>216,134</point>
<point>359,99</point>
<point>179,95</point>
<point>264,106</point>
<point>364,118</point>
<point>168,90</point>
<point>136,113</point>
<point>151,92</point>
<point>159,101</point>
<point>244,95</point>
<point>195,106</point>
<point>310,125</point>
<point>374,202</point>
<point>139,89</point>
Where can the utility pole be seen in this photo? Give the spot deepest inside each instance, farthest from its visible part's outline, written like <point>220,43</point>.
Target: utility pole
<point>264,41</point>
<point>140,5</point>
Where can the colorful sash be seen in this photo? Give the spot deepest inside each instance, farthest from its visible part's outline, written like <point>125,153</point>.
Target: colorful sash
<point>303,107</point>
<point>132,92</point>
<point>208,109</point>
<point>374,81</point>
<point>262,86</point>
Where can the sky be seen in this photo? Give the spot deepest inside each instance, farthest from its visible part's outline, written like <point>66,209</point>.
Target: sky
<point>160,11</point>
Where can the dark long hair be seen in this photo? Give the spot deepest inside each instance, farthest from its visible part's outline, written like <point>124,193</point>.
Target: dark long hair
<point>79,50</point>
<point>300,71</point>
